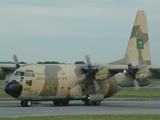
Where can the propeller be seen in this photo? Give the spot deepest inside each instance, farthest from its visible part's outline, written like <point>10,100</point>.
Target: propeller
<point>133,70</point>
<point>16,61</point>
<point>91,72</point>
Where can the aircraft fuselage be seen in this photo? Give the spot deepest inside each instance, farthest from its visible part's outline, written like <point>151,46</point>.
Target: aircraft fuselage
<point>57,82</point>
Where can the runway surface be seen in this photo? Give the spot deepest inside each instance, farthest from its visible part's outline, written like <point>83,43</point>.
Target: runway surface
<point>13,108</point>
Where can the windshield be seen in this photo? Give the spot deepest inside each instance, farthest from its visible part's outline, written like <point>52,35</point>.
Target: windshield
<point>19,73</point>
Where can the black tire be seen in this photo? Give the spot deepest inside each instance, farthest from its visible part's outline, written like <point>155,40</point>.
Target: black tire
<point>23,103</point>
<point>87,102</point>
<point>96,103</point>
<point>28,103</point>
<point>57,103</point>
<point>65,102</point>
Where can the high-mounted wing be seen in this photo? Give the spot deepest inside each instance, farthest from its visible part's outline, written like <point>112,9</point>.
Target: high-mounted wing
<point>155,69</point>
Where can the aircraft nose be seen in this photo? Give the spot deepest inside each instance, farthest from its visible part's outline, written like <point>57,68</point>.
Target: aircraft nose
<point>13,88</point>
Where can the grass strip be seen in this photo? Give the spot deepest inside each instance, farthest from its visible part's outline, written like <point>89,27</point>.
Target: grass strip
<point>2,82</point>
<point>128,99</point>
<point>132,93</point>
<point>90,117</point>
<point>8,99</point>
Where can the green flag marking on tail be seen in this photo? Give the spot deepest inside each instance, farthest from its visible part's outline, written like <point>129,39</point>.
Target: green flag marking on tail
<point>140,44</point>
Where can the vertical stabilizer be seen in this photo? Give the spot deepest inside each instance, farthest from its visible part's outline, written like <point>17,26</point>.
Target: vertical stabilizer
<point>138,46</point>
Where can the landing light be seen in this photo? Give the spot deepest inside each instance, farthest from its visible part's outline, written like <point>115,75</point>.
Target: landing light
<point>124,71</point>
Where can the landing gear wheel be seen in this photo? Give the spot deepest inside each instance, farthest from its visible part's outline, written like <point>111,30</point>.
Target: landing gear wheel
<point>57,103</point>
<point>96,103</point>
<point>25,103</point>
<point>87,102</point>
<point>28,103</point>
<point>22,103</point>
<point>65,102</point>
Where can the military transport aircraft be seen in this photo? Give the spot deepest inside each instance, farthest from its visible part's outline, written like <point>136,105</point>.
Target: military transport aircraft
<point>88,82</point>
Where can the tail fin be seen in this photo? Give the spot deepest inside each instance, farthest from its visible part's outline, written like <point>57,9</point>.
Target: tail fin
<point>138,46</point>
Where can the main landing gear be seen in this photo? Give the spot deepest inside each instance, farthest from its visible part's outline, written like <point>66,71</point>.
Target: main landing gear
<point>25,103</point>
<point>87,103</point>
<point>61,102</point>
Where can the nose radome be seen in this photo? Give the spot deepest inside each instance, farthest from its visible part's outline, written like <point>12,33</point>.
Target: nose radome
<point>13,88</point>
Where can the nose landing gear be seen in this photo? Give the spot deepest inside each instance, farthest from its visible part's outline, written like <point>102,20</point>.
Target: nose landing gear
<point>25,103</point>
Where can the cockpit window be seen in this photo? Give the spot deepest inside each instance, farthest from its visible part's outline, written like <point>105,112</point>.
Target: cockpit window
<point>29,73</point>
<point>19,73</point>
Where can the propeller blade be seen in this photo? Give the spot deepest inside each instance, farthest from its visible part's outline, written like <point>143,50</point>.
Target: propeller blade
<point>88,60</point>
<point>136,84</point>
<point>82,77</point>
<point>91,72</point>
<point>16,61</point>
<point>142,66</point>
<point>127,60</point>
<point>96,86</point>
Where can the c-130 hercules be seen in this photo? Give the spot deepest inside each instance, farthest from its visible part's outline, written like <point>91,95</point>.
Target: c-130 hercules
<point>88,82</point>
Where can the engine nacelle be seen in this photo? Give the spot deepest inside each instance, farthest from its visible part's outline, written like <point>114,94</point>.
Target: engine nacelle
<point>145,75</point>
<point>126,81</point>
<point>102,75</point>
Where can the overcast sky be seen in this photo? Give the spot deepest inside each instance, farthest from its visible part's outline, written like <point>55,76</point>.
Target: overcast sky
<point>67,30</point>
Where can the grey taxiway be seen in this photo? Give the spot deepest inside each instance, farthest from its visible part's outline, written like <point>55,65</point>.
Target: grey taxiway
<point>13,108</point>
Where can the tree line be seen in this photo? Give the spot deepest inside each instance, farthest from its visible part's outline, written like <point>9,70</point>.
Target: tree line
<point>55,62</point>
